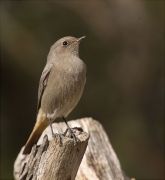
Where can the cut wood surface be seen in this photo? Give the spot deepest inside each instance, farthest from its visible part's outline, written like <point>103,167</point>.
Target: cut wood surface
<point>54,162</point>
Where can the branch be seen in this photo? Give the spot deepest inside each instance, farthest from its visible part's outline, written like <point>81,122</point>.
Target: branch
<point>52,161</point>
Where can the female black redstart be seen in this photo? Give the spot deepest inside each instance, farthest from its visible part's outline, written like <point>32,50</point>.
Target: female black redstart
<point>61,86</point>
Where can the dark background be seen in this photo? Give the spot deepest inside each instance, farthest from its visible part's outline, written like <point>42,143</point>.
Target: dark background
<point>124,53</point>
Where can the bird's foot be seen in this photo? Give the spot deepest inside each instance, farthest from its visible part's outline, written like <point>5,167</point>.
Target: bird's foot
<point>54,135</point>
<point>72,135</point>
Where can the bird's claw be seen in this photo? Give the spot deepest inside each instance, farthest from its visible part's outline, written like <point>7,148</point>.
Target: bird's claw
<point>72,135</point>
<point>54,135</point>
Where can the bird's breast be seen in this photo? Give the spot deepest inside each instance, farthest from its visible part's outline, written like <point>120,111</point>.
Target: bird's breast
<point>64,88</point>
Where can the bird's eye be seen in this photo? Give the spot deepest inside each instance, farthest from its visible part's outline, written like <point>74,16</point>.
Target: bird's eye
<point>65,43</point>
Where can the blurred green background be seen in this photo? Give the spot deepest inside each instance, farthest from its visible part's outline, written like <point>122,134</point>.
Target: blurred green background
<point>124,53</point>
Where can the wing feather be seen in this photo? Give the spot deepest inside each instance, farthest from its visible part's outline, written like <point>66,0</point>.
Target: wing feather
<point>43,83</point>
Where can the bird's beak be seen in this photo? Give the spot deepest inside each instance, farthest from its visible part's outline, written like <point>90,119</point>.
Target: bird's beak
<point>79,39</point>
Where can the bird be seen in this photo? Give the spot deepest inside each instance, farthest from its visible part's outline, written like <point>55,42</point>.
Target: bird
<point>61,86</point>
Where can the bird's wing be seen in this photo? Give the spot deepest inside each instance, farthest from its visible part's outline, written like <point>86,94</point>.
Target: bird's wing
<point>43,83</point>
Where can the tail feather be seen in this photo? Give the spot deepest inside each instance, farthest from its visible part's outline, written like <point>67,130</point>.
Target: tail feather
<point>36,133</point>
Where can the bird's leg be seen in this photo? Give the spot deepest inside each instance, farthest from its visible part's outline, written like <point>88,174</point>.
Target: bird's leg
<point>75,139</point>
<point>54,134</point>
<point>50,123</point>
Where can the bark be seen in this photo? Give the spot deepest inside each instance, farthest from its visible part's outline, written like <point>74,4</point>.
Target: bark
<point>54,162</point>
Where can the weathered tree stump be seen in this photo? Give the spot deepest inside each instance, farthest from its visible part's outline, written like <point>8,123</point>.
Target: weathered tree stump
<point>54,162</point>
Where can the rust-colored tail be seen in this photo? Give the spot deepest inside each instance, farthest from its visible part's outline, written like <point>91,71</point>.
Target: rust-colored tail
<point>39,127</point>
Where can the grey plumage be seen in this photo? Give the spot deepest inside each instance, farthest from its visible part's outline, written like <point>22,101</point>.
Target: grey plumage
<point>61,85</point>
